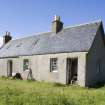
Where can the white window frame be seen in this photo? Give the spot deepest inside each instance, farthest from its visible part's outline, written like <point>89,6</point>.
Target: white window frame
<point>53,65</point>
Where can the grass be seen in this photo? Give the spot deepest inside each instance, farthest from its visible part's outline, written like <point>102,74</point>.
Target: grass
<point>18,92</point>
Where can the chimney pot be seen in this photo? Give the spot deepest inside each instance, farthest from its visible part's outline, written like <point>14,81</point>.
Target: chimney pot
<point>56,18</point>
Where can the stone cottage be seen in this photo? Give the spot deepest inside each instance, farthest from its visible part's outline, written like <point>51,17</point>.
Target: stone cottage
<point>64,55</point>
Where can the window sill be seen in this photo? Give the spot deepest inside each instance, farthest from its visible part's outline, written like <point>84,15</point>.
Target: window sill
<point>55,71</point>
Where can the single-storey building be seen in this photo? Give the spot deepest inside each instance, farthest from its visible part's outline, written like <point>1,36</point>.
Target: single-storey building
<point>64,55</point>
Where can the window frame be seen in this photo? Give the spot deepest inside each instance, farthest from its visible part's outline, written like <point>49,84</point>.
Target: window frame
<point>53,64</point>
<point>25,66</point>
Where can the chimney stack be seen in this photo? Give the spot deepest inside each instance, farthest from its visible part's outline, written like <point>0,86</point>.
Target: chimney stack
<point>57,25</point>
<point>6,38</point>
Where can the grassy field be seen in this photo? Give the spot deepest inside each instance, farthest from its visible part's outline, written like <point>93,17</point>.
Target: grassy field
<point>18,92</point>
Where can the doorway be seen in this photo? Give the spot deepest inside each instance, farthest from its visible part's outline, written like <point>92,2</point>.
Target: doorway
<point>9,68</point>
<point>71,74</point>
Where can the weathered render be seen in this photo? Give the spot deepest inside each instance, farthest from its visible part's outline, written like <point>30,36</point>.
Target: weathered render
<point>84,43</point>
<point>41,70</point>
<point>96,60</point>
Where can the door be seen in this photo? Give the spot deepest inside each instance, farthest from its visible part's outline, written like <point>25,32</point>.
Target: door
<point>9,68</point>
<point>72,66</point>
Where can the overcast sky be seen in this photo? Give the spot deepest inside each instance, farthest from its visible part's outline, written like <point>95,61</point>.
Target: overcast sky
<point>26,17</point>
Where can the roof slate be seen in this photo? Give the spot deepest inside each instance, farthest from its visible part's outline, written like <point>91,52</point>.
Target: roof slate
<point>72,39</point>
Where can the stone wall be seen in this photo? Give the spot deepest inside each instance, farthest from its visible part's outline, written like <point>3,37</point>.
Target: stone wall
<point>40,65</point>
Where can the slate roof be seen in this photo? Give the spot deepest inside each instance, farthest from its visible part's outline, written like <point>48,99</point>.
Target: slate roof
<point>72,39</point>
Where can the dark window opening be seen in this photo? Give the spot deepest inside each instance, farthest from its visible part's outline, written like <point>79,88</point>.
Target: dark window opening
<point>98,66</point>
<point>9,68</point>
<point>25,64</point>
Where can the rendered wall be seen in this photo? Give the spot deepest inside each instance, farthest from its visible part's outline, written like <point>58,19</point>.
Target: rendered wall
<point>40,65</point>
<point>95,71</point>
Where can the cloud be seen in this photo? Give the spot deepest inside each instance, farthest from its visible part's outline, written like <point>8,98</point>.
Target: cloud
<point>1,41</point>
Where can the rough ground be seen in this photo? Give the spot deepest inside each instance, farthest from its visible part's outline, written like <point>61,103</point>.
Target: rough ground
<point>18,92</point>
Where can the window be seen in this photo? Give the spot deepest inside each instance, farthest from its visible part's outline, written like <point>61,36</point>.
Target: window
<point>98,66</point>
<point>53,64</point>
<point>25,64</point>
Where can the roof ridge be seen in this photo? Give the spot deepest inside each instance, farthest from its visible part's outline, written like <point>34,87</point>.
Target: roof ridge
<point>86,23</point>
<point>73,26</point>
<point>35,35</point>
